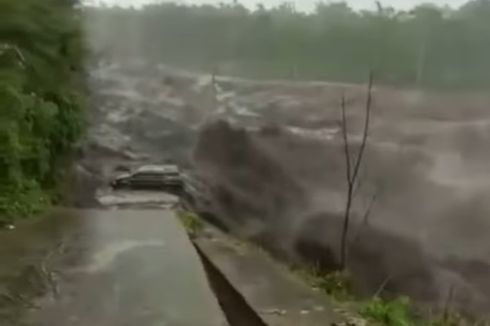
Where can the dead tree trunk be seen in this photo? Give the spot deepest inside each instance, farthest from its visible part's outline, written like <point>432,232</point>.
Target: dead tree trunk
<point>353,168</point>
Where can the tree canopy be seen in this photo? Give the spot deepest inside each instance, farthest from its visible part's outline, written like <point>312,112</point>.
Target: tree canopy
<point>426,46</point>
<point>40,111</point>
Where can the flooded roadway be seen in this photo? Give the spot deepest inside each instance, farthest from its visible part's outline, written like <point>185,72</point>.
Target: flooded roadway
<point>103,267</point>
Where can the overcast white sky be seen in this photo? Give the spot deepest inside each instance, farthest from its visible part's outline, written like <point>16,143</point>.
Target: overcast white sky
<point>302,4</point>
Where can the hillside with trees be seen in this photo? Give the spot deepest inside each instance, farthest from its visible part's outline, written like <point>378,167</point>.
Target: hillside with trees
<point>40,104</point>
<point>427,46</point>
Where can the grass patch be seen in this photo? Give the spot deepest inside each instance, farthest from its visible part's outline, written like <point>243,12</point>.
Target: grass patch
<point>401,312</point>
<point>336,284</point>
<point>397,312</point>
<point>191,222</point>
<point>21,202</point>
<point>375,311</point>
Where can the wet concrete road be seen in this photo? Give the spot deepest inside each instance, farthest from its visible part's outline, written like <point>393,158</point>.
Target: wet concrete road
<point>113,267</point>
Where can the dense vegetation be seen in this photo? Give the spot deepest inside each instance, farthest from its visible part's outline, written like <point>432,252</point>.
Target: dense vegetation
<point>40,110</point>
<point>427,46</point>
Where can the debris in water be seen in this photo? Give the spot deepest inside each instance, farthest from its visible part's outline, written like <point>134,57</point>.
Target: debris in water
<point>274,311</point>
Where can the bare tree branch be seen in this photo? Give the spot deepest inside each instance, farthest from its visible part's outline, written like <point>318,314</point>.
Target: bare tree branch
<point>382,287</point>
<point>359,182</point>
<point>350,188</point>
<point>366,128</point>
<point>346,140</point>
<point>367,213</point>
<point>345,229</point>
<point>365,217</point>
<point>352,175</point>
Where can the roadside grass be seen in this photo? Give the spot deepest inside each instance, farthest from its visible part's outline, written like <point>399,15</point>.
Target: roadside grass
<point>396,312</point>
<point>336,284</point>
<point>401,312</point>
<point>191,222</point>
<point>376,311</point>
<point>22,202</point>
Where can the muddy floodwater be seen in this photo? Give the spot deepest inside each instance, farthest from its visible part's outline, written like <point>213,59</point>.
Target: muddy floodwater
<point>112,267</point>
<point>269,157</point>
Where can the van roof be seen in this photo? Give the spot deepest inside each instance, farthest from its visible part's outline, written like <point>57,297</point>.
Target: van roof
<point>168,168</point>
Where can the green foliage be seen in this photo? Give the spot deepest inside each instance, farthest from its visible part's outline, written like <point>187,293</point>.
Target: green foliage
<point>389,313</point>
<point>25,200</point>
<point>191,222</point>
<point>400,312</point>
<point>377,311</point>
<point>336,284</point>
<point>40,111</point>
<point>427,46</point>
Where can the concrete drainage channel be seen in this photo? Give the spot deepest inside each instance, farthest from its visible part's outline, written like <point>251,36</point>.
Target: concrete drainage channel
<point>252,288</point>
<point>236,309</point>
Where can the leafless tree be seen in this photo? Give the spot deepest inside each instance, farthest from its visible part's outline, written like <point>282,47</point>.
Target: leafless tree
<point>365,218</point>
<point>353,166</point>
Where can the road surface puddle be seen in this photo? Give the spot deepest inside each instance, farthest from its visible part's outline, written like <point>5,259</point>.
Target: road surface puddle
<point>104,259</point>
